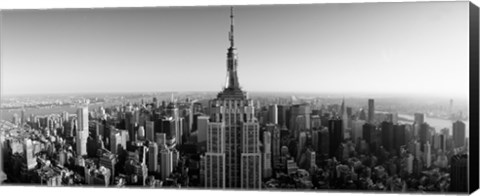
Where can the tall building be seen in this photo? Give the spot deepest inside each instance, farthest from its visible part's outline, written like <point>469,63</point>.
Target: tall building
<point>150,130</point>
<point>423,135</point>
<point>443,142</point>
<point>436,141</point>
<point>30,159</point>
<point>370,136</point>
<point>251,173</point>
<point>400,135</point>
<point>418,118</point>
<point>161,140</point>
<point>108,160</point>
<point>215,156</point>
<point>344,117</point>
<point>324,142</point>
<point>357,131</point>
<point>392,117</point>
<point>202,125</point>
<point>276,144</point>
<point>459,173</point>
<point>300,118</point>
<point>235,112</point>
<point>82,130</point>
<point>371,111</point>
<point>282,115</point>
<point>153,157</point>
<point>428,154</point>
<point>387,135</point>
<point>410,163</point>
<point>336,135</point>
<point>315,141</point>
<point>22,117</point>
<point>141,133</point>
<point>267,154</point>
<point>273,114</point>
<point>166,163</point>
<point>302,141</point>
<point>172,111</point>
<point>458,134</point>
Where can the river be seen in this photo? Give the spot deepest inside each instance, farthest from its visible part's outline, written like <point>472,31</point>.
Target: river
<point>436,123</point>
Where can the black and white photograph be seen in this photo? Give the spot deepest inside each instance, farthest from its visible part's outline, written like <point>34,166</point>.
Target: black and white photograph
<point>349,97</point>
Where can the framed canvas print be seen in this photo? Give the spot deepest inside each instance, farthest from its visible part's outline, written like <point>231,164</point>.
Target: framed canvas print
<point>352,97</point>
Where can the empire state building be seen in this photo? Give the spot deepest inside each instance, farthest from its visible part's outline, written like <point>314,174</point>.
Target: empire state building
<point>233,157</point>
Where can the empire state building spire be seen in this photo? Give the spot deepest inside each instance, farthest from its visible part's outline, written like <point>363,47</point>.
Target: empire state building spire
<point>232,83</point>
<point>230,35</point>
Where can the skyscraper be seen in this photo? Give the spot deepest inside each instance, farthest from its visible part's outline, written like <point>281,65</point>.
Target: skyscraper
<point>150,130</point>
<point>357,131</point>
<point>275,132</point>
<point>267,154</point>
<point>419,118</point>
<point>82,130</point>
<point>458,134</point>
<point>215,156</point>
<point>282,115</point>
<point>370,136</point>
<point>423,134</point>
<point>302,140</point>
<point>202,125</point>
<point>29,157</point>
<point>344,117</point>
<point>459,173</point>
<point>399,132</point>
<point>300,118</point>
<point>251,157</point>
<point>273,114</point>
<point>324,142</point>
<point>22,117</point>
<point>235,112</point>
<point>153,157</point>
<point>166,163</point>
<point>428,154</point>
<point>387,135</point>
<point>172,111</point>
<point>371,111</point>
<point>336,135</point>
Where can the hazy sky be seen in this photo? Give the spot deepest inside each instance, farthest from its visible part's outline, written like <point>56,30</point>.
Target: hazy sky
<point>399,48</point>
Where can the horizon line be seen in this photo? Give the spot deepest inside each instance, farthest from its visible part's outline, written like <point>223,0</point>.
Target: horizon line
<point>310,93</point>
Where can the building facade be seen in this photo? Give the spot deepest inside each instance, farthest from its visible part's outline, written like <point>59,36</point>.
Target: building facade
<point>233,114</point>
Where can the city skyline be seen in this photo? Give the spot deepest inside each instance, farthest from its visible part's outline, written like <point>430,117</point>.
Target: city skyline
<point>234,141</point>
<point>150,42</point>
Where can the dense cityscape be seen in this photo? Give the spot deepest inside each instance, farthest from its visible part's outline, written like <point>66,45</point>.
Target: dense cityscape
<point>233,141</point>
